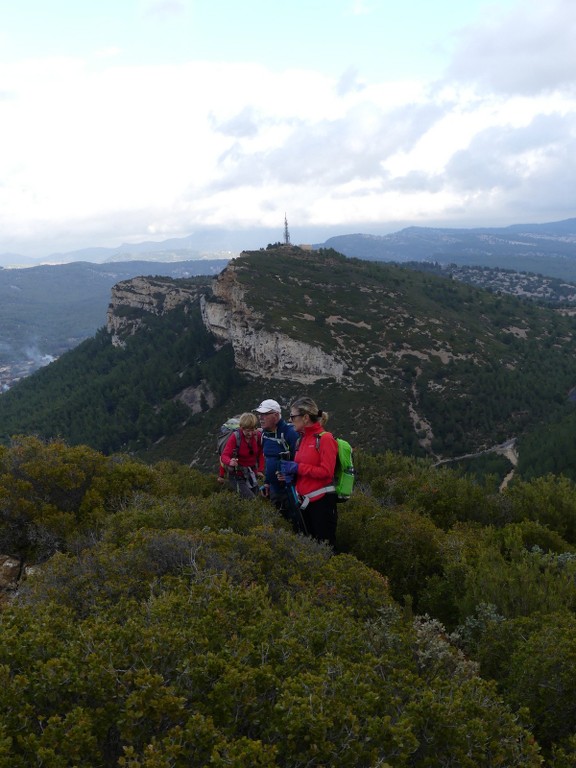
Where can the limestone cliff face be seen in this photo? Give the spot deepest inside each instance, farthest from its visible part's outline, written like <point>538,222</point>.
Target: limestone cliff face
<point>133,299</point>
<point>259,351</point>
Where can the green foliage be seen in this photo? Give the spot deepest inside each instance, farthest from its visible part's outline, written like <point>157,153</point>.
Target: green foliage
<point>533,659</point>
<point>172,623</point>
<point>115,398</point>
<point>518,581</point>
<point>443,494</point>
<point>53,495</point>
<point>549,500</point>
<point>202,647</point>
<point>402,544</point>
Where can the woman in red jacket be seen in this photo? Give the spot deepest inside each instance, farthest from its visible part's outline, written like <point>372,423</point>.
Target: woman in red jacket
<point>313,470</point>
<point>242,457</point>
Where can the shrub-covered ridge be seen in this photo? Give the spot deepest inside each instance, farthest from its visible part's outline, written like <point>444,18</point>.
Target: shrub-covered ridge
<point>169,623</point>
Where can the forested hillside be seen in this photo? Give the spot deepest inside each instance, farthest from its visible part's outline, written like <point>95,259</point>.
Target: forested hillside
<point>431,367</point>
<point>120,398</point>
<point>168,623</point>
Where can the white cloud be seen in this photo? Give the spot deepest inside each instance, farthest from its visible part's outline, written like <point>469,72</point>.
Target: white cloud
<point>526,51</point>
<point>101,152</point>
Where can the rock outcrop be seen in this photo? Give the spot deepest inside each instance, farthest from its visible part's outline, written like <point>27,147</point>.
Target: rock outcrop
<point>259,351</point>
<point>133,299</point>
<point>10,574</point>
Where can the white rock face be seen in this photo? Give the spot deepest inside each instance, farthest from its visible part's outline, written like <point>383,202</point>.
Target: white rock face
<point>257,351</point>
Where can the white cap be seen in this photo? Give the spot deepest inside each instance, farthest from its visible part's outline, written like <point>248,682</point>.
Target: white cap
<point>268,405</point>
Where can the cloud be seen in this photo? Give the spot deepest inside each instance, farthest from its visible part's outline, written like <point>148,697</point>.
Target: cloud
<point>349,82</point>
<point>529,169</point>
<point>349,148</point>
<point>527,51</point>
<point>242,125</point>
<point>103,153</point>
<point>166,8</point>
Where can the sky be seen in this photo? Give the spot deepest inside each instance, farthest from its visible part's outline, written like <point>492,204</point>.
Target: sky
<point>123,121</point>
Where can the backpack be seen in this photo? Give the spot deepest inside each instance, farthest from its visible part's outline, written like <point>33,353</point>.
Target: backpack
<point>229,427</point>
<point>344,473</point>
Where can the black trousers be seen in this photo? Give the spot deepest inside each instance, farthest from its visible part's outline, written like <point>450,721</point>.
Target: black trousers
<point>242,485</point>
<point>321,517</point>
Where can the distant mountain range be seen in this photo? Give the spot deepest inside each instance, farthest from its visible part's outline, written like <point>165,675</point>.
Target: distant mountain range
<point>201,245</point>
<point>548,249</point>
<point>173,250</point>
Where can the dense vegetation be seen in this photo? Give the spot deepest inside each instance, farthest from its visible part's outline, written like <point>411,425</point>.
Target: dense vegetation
<point>116,398</point>
<point>169,623</point>
<point>432,368</point>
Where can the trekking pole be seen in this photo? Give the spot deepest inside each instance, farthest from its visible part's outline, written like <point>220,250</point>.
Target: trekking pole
<point>297,509</point>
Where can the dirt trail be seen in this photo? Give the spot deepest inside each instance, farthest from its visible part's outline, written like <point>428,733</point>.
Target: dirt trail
<point>507,449</point>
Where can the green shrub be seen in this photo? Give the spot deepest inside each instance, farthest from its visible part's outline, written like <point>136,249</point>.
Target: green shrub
<point>401,544</point>
<point>208,647</point>
<point>542,678</point>
<point>549,500</point>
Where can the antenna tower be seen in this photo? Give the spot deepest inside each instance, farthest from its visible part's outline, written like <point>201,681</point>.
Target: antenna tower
<point>286,233</point>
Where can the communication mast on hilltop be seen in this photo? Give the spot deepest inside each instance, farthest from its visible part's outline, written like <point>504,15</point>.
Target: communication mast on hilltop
<point>286,233</point>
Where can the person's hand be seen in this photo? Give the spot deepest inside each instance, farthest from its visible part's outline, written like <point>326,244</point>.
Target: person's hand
<point>288,470</point>
<point>260,477</point>
<point>265,491</point>
<point>288,467</point>
<point>233,462</point>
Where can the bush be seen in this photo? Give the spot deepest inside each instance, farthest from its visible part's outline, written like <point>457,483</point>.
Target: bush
<point>202,647</point>
<point>403,545</point>
<point>549,500</point>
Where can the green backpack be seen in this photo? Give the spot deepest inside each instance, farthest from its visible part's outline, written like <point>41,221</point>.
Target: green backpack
<point>344,474</point>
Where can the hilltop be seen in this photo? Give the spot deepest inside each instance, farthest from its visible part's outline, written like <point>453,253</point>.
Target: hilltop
<point>403,360</point>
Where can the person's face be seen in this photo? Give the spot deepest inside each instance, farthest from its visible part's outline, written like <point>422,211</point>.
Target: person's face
<point>249,432</point>
<point>269,420</point>
<point>299,420</point>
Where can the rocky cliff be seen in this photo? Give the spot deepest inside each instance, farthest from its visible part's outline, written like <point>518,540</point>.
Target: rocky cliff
<point>133,299</point>
<point>260,351</point>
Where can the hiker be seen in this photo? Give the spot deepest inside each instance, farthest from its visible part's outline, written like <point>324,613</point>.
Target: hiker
<point>242,457</point>
<point>278,442</point>
<point>313,470</point>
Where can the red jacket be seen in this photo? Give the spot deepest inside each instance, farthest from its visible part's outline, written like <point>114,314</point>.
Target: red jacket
<point>316,466</point>
<point>249,453</point>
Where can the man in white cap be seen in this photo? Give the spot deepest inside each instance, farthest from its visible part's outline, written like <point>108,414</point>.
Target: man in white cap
<point>278,443</point>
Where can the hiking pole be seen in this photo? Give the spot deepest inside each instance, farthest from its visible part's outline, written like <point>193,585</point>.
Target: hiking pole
<point>293,497</point>
<point>295,508</point>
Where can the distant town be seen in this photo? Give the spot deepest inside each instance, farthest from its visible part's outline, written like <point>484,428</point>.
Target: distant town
<point>11,372</point>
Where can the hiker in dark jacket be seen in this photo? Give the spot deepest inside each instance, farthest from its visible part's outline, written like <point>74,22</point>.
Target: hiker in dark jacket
<point>242,457</point>
<point>313,470</point>
<point>278,442</point>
